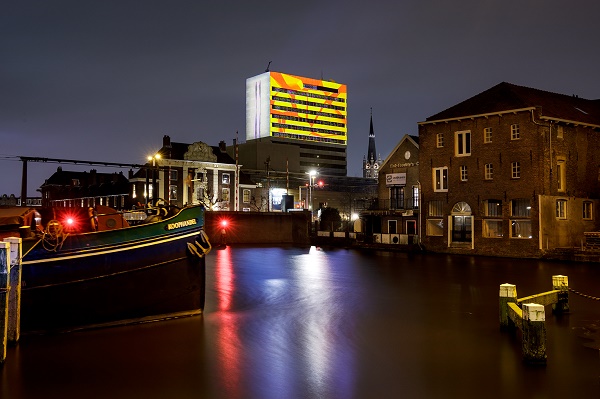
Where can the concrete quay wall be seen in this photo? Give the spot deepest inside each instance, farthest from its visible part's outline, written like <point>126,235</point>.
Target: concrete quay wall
<point>258,227</point>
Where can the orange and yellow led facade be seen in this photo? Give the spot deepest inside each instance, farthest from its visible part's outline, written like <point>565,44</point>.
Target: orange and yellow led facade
<point>293,107</point>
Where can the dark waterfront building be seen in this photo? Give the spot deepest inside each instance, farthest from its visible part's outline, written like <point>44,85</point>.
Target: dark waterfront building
<point>393,218</point>
<point>182,173</point>
<point>85,189</point>
<point>511,171</point>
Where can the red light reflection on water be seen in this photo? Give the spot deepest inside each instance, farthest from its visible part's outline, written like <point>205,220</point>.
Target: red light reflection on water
<point>228,341</point>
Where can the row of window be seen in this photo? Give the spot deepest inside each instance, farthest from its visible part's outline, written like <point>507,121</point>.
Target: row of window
<point>308,129</point>
<point>462,139</point>
<point>519,207</point>
<point>322,88</point>
<point>308,138</point>
<point>519,228</point>
<point>306,111</point>
<point>440,175</point>
<point>307,94</point>
<point>315,121</point>
<point>309,103</point>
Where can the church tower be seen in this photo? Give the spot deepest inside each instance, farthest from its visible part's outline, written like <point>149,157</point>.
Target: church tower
<point>372,162</point>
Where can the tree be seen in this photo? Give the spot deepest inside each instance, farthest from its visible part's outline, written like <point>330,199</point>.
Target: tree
<point>330,218</point>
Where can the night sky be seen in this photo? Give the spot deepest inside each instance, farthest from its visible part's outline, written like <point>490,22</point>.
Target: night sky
<point>105,80</point>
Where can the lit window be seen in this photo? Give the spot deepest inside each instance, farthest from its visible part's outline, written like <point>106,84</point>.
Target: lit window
<point>462,143</point>
<point>487,135</point>
<point>246,196</point>
<point>225,194</point>
<point>435,227</point>
<point>520,207</point>
<point>415,197</point>
<point>225,178</point>
<point>440,179</point>
<point>173,175</point>
<point>489,171</point>
<point>493,207</point>
<point>559,132</point>
<point>587,210</point>
<point>440,140</point>
<point>561,175</point>
<point>516,170</point>
<point>514,132</point>
<point>561,209</point>
<point>463,173</point>
<point>436,208</point>
<point>492,229</point>
<point>172,193</point>
<point>520,228</point>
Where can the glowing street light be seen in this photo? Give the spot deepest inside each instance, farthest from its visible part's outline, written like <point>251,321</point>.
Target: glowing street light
<point>312,174</point>
<point>153,158</point>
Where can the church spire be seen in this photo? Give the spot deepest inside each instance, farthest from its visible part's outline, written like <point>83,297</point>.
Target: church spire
<point>371,153</point>
<point>372,163</point>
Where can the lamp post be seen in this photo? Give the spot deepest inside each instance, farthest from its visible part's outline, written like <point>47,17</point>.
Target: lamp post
<point>312,174</point>
<point>153,158</point>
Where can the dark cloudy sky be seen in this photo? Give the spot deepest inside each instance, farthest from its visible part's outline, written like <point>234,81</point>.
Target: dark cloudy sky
<point>105,80</point>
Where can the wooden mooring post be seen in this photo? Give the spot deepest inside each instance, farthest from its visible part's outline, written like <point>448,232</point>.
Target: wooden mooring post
<point>528,314</point>
<point>4,293</point>
<point>10,293</point>
<point>14,282</point>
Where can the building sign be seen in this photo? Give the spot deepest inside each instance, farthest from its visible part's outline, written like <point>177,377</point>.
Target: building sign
<point>395,179</point>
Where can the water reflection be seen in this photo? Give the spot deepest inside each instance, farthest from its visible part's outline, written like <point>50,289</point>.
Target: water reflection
<point>310,323</point>
<point>228,341</point>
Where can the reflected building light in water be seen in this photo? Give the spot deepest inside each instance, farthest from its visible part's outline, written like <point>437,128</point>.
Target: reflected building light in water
<point>316,336</point>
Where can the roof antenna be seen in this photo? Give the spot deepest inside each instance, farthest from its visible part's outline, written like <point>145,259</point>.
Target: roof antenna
<point>267,70</point>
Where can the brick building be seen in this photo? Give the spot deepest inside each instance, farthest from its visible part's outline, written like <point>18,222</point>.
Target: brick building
<point>512,171</point>
<point>393,219</point>
<point>85,189</point>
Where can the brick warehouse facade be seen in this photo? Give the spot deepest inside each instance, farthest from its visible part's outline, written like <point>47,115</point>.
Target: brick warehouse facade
<point>512,171</point>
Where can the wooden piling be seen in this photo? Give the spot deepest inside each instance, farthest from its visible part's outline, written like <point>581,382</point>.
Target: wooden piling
<point>14,282</point>
<point>508,294</point>
<point>4,292</point>
<point>561,284</point>
<point>534,333</point>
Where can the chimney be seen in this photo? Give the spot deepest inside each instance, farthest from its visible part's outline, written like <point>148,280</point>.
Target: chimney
<point>93,177</point>
<point>166,141</point>
<point>222,146</point>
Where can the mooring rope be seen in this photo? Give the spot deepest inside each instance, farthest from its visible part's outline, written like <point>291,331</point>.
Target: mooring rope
<point>584,295</point>
<point>53,236</point>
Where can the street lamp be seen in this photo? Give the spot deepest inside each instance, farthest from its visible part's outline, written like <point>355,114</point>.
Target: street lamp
<point>154,158</point>
<point>312,174</point>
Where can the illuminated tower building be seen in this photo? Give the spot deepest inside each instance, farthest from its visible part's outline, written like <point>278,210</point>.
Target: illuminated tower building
<point>371,163</point>
<point>305,118</point>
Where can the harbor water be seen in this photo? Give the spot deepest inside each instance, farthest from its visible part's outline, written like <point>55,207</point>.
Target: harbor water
<point>331,323</point>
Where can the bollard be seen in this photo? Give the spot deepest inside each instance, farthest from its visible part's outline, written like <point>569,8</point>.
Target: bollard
<point>4,288</point>
<point>508,293</point>
<point>14,297</point>
<point>561,283</point>
<point>534,333</point>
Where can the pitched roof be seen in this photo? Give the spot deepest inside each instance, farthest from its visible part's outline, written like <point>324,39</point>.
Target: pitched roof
<point>506,96</point>
<point>178,150</point>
